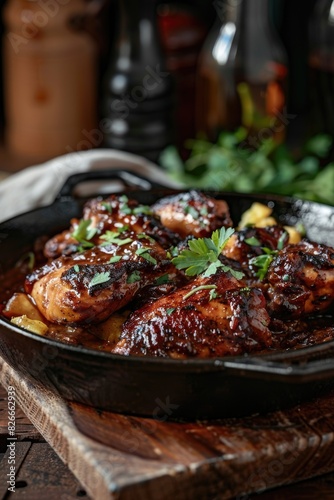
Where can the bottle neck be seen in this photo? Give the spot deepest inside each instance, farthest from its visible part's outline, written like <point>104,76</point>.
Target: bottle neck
<point>138,21</point>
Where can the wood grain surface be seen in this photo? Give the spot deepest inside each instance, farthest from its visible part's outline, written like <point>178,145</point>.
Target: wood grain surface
<point>129,457</point>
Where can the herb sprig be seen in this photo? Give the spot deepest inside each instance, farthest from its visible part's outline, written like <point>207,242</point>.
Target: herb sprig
<point>112,237</point>
<point>83,233</point>
<point>262,262</point>
<point>203,255</point>
<point>99,279</point>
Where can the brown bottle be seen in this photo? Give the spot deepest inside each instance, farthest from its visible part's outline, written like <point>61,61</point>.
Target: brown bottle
<point>49,78</point>
<point>242,74</point>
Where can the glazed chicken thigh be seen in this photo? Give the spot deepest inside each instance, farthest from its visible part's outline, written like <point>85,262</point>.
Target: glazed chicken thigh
<point>110,214</point>
<point>301,280</point>
<point>193,214</point>
<point>88,287</point>
<point>214,316</point>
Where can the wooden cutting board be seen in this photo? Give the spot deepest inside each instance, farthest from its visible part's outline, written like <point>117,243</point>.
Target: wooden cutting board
<point>139,458</point>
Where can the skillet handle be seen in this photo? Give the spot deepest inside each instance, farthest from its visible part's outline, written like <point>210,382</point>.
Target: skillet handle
<point>128,178</point>
<point>305,369</point>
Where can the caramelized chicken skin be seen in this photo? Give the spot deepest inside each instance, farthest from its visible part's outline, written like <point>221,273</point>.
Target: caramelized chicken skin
<point>240,247</point>
<point>109,215</point>
<point>301,280</point>
<point>192,213</point>
<point>88,288</point>
<point>230,321</point>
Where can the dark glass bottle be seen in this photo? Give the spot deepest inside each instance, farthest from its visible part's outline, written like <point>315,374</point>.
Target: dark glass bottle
<point>321,62</point>
<point>242,72</point>
<point>183,30</point>
<point>137,101</point>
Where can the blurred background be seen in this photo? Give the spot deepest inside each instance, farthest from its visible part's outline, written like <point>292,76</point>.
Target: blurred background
<point>146,76</point>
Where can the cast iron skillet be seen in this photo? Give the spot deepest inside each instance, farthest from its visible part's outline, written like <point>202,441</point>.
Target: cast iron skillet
<point>165,388</point>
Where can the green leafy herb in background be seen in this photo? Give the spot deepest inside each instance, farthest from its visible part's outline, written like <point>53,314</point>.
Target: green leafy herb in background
<point>230,165</point>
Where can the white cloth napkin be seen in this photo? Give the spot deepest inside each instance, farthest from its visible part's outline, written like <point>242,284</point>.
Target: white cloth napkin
<point>38,185</point>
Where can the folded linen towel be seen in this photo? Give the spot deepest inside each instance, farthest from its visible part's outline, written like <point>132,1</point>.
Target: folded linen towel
<point>38,185</point>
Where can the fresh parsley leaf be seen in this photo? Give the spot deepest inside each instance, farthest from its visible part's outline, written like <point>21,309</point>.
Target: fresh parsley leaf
<point>162,280</point>
<point>107,206</point>
<point>213,294</point>
<point>202,255</point>
<point>263,262</point>
<point>99,279</point>
<point>112,237</point>
<point>192,211</point>
<point>114,259</point>
<point>76,268</point>
<point>144,252</point>
<point>170,310</point>
<point>253,242</point>
<point>83,233</point>
<point>238,275</point>
<point>133,277</point>
<point>198,289</point>
<point>139,210</point>
<point>281,240</point>
<point>143,236</point>
<point>221,236</point>
<point>142,210</point>
<point>123,228</point>
<point>29,258</point>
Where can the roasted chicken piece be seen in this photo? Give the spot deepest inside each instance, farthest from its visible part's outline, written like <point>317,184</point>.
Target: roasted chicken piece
<point>247,243</point>
<point>301,280</point>
<point>213,316</point>
<point>109,214</point>
<point>192,213</point>
<point>88,287</point>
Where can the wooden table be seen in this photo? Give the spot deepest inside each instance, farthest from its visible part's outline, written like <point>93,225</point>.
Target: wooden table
<point>41,473</point>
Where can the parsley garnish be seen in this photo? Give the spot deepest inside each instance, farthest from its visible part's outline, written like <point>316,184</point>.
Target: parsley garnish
<point>170,310</point>
<point>112,237</point>
<point>99,279</point>
<point>203,255</point>
<point>122,229</point>
<point>142,210</point>
<point>192,211</point>
<point>142,236</point>
<point>29,258</point>
<point>133,277</point>
<point>162,280</point>
<point>144,252</point>
<point>199,288</point>
<point>139,210</point>
<point>107,206</point>
<point>263,261</point>
<point>213,294</point>
<point>124,207</point>
<point>253,242</point>
<point>115,258</point>
<point>76,268</point>
<point>83,233</point>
